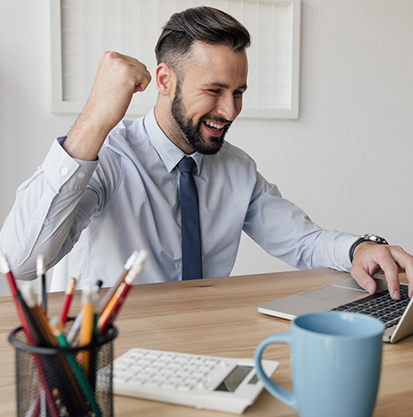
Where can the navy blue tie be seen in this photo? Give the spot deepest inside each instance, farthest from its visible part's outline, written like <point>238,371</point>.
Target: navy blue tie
<point>191,235</point>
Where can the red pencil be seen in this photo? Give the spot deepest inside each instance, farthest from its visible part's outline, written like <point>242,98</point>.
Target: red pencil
<point>108,315</point>
<point>67,300</point>
<point>109,293</point>
<point>5,268</point>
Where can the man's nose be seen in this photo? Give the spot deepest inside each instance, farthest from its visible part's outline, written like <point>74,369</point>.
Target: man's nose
<point>227,108</point>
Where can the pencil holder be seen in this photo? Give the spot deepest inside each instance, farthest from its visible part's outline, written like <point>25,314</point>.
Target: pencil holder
<point>58,382</point>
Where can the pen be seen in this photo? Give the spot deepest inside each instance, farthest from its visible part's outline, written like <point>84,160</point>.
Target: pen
<point>75,328</point>
<point>67,300</point>
<point>113,289</point>
<point>41,276</point>
<point>108,315</point>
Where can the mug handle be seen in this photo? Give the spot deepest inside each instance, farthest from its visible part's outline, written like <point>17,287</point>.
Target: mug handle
<point>282,394</point>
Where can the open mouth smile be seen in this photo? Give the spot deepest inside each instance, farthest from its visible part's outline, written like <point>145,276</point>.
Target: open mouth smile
<point>213,125</point>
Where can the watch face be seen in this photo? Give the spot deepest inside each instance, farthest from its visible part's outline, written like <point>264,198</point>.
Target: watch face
<point>369,237</point>
<point>375,238</point>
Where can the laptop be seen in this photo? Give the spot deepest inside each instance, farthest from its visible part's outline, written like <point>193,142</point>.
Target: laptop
<point>347,295</point>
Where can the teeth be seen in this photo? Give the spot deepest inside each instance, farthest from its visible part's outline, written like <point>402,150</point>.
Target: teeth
<point>214,125</point>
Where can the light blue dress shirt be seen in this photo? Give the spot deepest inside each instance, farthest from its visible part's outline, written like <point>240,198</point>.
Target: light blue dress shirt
<point>103,210</point>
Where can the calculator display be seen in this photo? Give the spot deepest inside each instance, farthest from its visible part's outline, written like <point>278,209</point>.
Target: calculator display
<point>234,379</point>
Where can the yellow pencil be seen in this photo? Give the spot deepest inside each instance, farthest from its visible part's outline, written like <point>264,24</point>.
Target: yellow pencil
<point>86,327</point>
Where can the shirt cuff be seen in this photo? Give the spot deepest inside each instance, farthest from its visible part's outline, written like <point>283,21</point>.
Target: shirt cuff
<point>61,169</point>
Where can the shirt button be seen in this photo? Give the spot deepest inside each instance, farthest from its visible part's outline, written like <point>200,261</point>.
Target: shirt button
<point>81,175</point>
<point>64,171</point>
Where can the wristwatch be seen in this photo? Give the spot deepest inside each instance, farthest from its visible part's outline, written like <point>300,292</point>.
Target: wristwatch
<point>366,238</point>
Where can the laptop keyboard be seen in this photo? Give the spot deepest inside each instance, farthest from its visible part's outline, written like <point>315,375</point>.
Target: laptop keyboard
<point>380,305</point>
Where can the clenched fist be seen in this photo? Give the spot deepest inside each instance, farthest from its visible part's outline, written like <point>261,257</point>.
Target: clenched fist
<point>118,77</point>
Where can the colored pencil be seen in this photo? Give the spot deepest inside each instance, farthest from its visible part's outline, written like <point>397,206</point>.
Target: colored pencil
<point>109,314</point>
<point>114,288</point>
<point>76,369</point>
<point>5,269</point>
<point>77,322</point>
<point>67,300</point>
<point>86,327</point>
<point>38,315</point>
<point>66,384</point>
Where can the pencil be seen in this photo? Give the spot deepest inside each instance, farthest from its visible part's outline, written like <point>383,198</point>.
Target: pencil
<point>108,315</point>
<point>17,297</point>
<point>77,370</point>
<point>86,327</point>
<point>31,324</point>
<point>5,269</point>
<point>114,288</point>
<point>67,300</point>
<point>77,322</point>
<point>67,385</point>
<point>38,315</point>
<point>41,276</point>
<point>138,257</point>
<point>95,334</point>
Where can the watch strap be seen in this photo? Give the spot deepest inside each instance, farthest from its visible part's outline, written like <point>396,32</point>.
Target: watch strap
<point>369,237</point>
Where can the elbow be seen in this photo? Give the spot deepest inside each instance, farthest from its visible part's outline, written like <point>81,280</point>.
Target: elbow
<point>22,271</point>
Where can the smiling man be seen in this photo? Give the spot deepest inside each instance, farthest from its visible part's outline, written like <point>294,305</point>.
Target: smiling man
<point>112,186</point>
<point>205,101</point>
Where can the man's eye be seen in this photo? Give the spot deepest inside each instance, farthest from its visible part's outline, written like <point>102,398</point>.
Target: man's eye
<point>213,91</point>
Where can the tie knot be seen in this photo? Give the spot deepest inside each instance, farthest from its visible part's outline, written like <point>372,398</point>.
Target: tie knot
<point>186,164</point>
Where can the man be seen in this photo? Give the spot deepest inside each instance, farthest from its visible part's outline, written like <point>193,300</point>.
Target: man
<point>112,186</point>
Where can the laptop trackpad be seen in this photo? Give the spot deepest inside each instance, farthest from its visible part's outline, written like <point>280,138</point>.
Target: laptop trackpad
<point>335,294</point>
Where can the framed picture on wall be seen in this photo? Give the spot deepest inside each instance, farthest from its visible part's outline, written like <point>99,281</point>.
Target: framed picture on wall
<point>82,30</point>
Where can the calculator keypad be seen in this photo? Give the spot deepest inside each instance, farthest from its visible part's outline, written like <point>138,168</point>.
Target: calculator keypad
<point>172,371</point>
<point>201,381</point>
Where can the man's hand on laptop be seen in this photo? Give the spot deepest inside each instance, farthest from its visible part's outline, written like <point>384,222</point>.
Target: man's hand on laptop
<point>371,258</point>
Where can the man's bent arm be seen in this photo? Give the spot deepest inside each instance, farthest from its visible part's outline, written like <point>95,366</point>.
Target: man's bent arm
<point>118,77</point>
<point>50,211</point>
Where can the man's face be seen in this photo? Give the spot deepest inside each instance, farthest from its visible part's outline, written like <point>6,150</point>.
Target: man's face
<point>208,98</point>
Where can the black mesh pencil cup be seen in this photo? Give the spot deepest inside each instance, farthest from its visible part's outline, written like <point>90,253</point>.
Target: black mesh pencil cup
<point>58,382</point>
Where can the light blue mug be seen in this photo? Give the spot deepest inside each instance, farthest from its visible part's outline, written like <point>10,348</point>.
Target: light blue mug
<point>335,364</point>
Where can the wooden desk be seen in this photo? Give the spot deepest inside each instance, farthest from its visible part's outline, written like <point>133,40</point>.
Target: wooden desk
<point>214,317</point>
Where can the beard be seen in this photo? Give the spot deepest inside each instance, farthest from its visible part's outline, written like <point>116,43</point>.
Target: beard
<point>191,132</point>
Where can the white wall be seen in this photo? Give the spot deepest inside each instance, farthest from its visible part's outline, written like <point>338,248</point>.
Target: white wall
<point>346,160</point>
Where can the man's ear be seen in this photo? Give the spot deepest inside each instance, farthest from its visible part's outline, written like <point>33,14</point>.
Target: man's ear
<point>165,79</point>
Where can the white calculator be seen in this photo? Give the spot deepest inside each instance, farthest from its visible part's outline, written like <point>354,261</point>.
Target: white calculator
<point>210,382</point>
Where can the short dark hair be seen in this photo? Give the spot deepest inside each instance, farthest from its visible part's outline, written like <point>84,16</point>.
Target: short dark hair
<point>204,24</point>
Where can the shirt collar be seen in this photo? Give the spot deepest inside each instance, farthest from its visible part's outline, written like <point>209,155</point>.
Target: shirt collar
<point>169,153</point>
